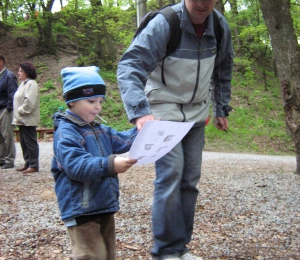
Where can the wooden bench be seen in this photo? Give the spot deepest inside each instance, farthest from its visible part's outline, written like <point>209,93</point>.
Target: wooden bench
<point>42,132</point>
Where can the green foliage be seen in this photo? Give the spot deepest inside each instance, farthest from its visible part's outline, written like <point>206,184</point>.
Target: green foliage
<point>99,32</point>
<point>113,112</point>
<point>109,75</point>
<point>48,86</point>
<point>251,39</point>
<point>74,5</point>
<point>121,25</point>
<point>81,22</point>
<point>60,28</point>
<point>83,59</point>
<point>257,119</point>
<point>40,67</point>
<point>49,105</point>
<point>295,10</point>
<point>244,67</point>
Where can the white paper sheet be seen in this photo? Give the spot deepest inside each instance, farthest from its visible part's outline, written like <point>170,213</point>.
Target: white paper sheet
<point>156,138</point>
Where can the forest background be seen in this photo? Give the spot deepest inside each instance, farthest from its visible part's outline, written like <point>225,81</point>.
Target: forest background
<point>98,32</point>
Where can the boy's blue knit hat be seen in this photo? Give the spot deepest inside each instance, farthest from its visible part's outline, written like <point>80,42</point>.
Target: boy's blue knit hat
<point>82,83</point>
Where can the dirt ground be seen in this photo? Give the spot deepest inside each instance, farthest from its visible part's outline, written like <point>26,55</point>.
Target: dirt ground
<point>248,208</point>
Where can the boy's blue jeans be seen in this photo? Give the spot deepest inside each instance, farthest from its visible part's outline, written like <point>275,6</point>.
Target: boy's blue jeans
<point>175,194</point>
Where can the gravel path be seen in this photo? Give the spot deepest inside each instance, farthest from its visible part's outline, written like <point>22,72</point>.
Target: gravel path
<point>248,208</point>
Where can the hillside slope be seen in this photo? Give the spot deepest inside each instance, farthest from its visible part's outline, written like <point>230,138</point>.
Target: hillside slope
<point>16,49</point>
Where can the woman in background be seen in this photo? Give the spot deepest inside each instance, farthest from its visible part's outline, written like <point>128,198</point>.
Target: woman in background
<point>27,116</point>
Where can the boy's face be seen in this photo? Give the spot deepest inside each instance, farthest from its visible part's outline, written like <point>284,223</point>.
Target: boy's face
<point>87,109</point>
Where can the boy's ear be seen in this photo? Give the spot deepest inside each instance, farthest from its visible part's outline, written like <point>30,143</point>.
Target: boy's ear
<point>71,104</point>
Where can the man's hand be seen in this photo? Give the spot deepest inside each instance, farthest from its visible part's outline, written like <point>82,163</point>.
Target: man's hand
<point>122,164</point>
<point>142,120</point>
<point>221,123</point>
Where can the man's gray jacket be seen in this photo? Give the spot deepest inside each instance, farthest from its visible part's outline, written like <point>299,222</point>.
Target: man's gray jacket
<point>189,72</point>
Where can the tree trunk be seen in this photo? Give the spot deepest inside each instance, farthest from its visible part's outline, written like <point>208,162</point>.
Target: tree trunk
<point>46,43</point>
<point>141,10</point>
<point>105,52</point>
<point>278,19</point>
<point>4,9</point>
<point>236,33</point>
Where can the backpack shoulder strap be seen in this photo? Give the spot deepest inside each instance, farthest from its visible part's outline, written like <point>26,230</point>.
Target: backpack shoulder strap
<point>147,18</point>
<point>175,36</point>
<point>217,29</point>
<point>175,31</point>
<point>174,23</point>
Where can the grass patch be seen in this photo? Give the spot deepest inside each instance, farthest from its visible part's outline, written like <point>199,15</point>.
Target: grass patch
<point>49,105</point>
<point>48,85</point>
<point>256,123</point>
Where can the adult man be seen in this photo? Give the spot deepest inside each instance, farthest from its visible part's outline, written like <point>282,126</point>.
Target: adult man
<point>188,72</point>
<point>8,87</point>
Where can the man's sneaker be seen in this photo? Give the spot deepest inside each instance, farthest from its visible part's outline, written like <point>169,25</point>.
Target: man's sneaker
<point>168,257</point>
<point>189,256</point>
<point>7,166</point>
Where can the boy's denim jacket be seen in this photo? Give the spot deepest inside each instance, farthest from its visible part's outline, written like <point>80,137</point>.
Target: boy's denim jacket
<point>82,166</point>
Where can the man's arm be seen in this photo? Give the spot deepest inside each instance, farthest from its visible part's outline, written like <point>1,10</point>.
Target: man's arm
<point>140,59</point>
<point>12,85</point>
<point>222,79</point>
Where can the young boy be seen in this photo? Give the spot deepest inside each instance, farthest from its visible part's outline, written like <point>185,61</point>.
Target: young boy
<point>85,168</point>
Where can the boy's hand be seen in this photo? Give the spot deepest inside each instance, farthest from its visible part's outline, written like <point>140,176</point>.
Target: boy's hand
<point>122,164</point>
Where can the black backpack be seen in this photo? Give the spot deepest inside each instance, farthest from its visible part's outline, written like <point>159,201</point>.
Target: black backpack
<point>174,24</point>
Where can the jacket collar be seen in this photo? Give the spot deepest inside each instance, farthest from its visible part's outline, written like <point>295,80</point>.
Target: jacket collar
<point>2,71</point>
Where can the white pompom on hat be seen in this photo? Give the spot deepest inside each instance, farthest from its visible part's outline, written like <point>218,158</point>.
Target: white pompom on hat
<point>82,83</point>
